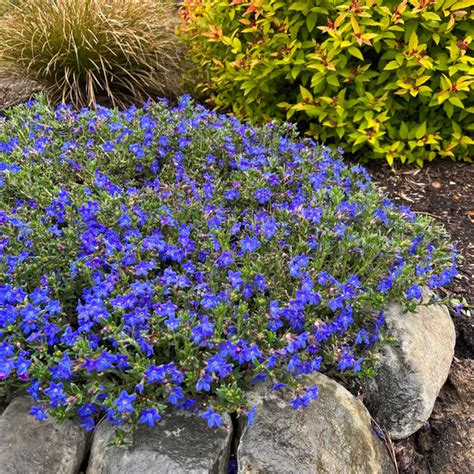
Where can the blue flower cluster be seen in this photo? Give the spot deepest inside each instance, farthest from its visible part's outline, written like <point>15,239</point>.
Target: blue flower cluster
<point>172,257</point>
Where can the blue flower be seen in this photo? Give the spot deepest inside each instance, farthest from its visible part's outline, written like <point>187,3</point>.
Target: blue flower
<point>263,195</point>
<point>150,417</point>
<point>6,366</point>
<point>362,337</point>
<point>124,402</point>
<point>22,367</point>
<point>251,415</point>
<point>260,283</point>
<point>218,364</point>
<point>232,194</point>
<point>137,150</point>
<point>204,383</point>
<point>235,279</point>
<point>155,374</point>
<point>297,265</point>
<point>278,386</point>
<point>163,140</point>
<point>300,402</point>
<point>358,365</point>
<point>346,362</point>
<point>382,216</point>
<point>39,413</point>
<point>175,395</point>
<point>56,394</point>
<point>213,419</point>
<point>225,260</point>
<point>108,146</point>
<point>249,244</point>
<point>203,331</point>
<point>385,285</point>
<point>414,291</point>
<point>313,392</point>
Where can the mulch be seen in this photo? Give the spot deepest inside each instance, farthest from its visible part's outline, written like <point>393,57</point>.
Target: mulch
<point>444,190</point>
<point>15,91</point>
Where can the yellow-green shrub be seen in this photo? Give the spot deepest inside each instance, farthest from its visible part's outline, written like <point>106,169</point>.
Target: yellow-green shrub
<point>81,51</point>
<point>388,78</point>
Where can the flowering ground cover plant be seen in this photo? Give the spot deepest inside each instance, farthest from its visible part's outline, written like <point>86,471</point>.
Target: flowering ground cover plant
<point>163,257</point>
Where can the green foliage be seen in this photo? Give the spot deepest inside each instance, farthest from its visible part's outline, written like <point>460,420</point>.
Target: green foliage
<point>380,77</point>
<point>88,51</point>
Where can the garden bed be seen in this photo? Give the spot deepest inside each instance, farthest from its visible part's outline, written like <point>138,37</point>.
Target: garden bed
<point>167,259</point>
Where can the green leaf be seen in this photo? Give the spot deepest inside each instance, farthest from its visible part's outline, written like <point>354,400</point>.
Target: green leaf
<point>421,131</point>
<point>431,16</point>
<point>449,109</point>
<point>295,72</point>
<point>356,52</point>
<point>452,70</point>
<point>332,80</point>
<point>456,127</point>
<point>305,93</point>
<point>237,45</point>
<point>413,43</point>
<point>404,131</point>
<point>456,101</point>
<point>311,20</point>
<point>462,5</point>
<point>299,6</point>
<point>361,139</point>
<point>320,10</point>
<point>391,65</point>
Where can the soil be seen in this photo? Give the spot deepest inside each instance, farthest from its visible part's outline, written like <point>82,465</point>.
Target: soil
<point>444,190</point>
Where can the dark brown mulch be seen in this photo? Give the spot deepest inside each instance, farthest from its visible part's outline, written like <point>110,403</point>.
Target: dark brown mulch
<point>444,190</point>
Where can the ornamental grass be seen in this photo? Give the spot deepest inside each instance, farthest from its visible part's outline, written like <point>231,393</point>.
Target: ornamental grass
<point>89,51</point>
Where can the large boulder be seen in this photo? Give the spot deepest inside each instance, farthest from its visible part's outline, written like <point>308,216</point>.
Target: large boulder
<point>411,372</point>
<point>334,434</point>
<point>180,443</point>
<point>28,446</point>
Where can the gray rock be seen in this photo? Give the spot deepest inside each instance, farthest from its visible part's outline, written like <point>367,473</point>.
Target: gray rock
<point>28,446</point>
<point>410,373</point>
<point>180,443</point>
<point>332,435</point>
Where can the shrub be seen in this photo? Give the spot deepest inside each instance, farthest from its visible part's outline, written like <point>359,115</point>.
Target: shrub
<point>83,51</point>
<point>163,257</point>
<point>382,78</point>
